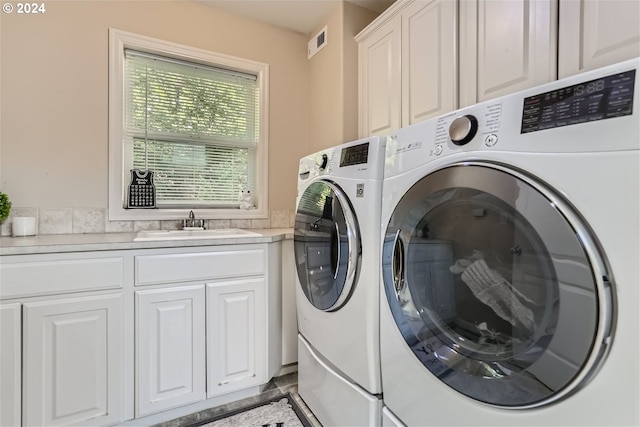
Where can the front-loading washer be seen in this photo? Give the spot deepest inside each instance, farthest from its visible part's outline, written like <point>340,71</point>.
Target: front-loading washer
<point>510,246</point>
<point>336,248</point>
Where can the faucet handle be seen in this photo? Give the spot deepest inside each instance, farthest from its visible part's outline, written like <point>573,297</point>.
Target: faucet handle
<point>193,222</point>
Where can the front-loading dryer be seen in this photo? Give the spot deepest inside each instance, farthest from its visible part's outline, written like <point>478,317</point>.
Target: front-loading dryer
<point>510,246</point>
<point>337,247</point>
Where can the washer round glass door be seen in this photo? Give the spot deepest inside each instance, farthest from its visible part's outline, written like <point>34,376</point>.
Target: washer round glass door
<point>326,245</point>
<point>495,285</point>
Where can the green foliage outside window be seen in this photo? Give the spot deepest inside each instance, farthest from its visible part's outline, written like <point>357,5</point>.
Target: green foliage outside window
<point>195,127</point>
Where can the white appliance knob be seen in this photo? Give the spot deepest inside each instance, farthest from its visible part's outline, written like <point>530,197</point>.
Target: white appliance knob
<point>463,129</point>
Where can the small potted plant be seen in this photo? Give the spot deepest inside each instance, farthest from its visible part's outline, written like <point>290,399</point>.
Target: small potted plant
<point>5,206</point>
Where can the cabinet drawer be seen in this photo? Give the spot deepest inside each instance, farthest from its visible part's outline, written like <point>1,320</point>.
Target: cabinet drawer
<point>171,268</point>
<point>36,276</point>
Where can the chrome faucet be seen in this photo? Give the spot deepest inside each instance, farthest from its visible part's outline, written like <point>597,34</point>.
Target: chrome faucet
<point>192,222</point>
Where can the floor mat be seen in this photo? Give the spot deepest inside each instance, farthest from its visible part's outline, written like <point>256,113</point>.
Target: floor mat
<point>279,411</point>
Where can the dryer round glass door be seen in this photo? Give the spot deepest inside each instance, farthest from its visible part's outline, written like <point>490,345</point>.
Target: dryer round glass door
<point>496,286</point>
<point>326,245</point>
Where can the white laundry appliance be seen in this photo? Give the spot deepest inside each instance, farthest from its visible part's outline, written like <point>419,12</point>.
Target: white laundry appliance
<point>510,233</point>
<point>337,250</point>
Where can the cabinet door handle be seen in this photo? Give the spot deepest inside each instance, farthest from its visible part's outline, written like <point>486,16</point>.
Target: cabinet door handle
<point>227,382</point>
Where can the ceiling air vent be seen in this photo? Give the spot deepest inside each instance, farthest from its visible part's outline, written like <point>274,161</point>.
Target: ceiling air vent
<point>317,43</point>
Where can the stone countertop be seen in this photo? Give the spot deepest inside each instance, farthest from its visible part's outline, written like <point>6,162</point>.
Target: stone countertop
<point>59,243</point>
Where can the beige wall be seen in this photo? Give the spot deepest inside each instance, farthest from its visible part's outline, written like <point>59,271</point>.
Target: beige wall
<point>325,86</point>
<point>333,78</point>
<point>355,20</point>
<point>54,93</point>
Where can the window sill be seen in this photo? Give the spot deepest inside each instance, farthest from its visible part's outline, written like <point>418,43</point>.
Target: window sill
<point>121,214</point>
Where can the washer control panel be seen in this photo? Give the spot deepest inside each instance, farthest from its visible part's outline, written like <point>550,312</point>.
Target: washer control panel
<point>463,129</point>
<point>354,155</point>
<point>321,161</point>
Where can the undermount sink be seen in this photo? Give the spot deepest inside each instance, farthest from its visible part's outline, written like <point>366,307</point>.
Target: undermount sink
<point>147,235</point>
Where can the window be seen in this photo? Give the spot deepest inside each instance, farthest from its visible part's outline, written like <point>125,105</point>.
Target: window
<point>196,119</point>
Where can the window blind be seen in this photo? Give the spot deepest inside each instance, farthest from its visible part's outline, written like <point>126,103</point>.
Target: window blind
<point>195,126</point>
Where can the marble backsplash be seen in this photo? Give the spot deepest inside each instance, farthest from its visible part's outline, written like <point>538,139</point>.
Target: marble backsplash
<point>95,220</point>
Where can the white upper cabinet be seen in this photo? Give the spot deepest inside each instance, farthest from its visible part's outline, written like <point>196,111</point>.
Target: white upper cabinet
<point>596,33</point>
<point>429,60</point>
<point>424,58</point>
<point>505,46</point>
<point>452,54</point>
<point>407,65</point>
<point>379,84</point>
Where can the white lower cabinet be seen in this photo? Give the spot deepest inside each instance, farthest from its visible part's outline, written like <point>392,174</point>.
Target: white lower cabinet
<point>203,331</point>
<point>178,363</point>
<point>73,361</point>
<point>170,346</point>
<point>99,338</point>
<point>289,314</point>
<point>10,366</point>
<point>236,334</point>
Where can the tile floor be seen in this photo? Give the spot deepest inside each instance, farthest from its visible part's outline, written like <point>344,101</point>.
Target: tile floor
<point>279,385</point>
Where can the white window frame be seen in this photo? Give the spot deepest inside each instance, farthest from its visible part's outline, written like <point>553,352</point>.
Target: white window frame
<point>121,40</point>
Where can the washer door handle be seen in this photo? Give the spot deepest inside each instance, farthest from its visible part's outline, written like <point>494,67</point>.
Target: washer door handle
<point>397,265</point>
<point>335,240</point>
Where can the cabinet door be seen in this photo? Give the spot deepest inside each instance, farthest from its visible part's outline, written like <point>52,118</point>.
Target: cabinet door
<point>505,46</point>
<point>289,314</point>
<point>236,335</point>
<point>595,33</point>
<point>73,361</point>
<point>170,358</point>
<point>10,364</point>
<point>380,73</point>
<point>429,60</point>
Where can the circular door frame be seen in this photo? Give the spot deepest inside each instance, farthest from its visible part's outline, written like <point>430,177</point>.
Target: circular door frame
<point>602,283</point>
<point>352,232</point>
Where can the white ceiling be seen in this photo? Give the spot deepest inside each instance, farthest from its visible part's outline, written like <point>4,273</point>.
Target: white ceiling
<point>302,16</point>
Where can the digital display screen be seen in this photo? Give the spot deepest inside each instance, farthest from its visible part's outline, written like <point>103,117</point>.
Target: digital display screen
<point>356,155</point>
<point>599,99</point>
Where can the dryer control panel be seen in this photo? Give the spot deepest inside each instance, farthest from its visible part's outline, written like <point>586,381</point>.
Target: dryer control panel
<point>598,99</point>
<point>596,111</point>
